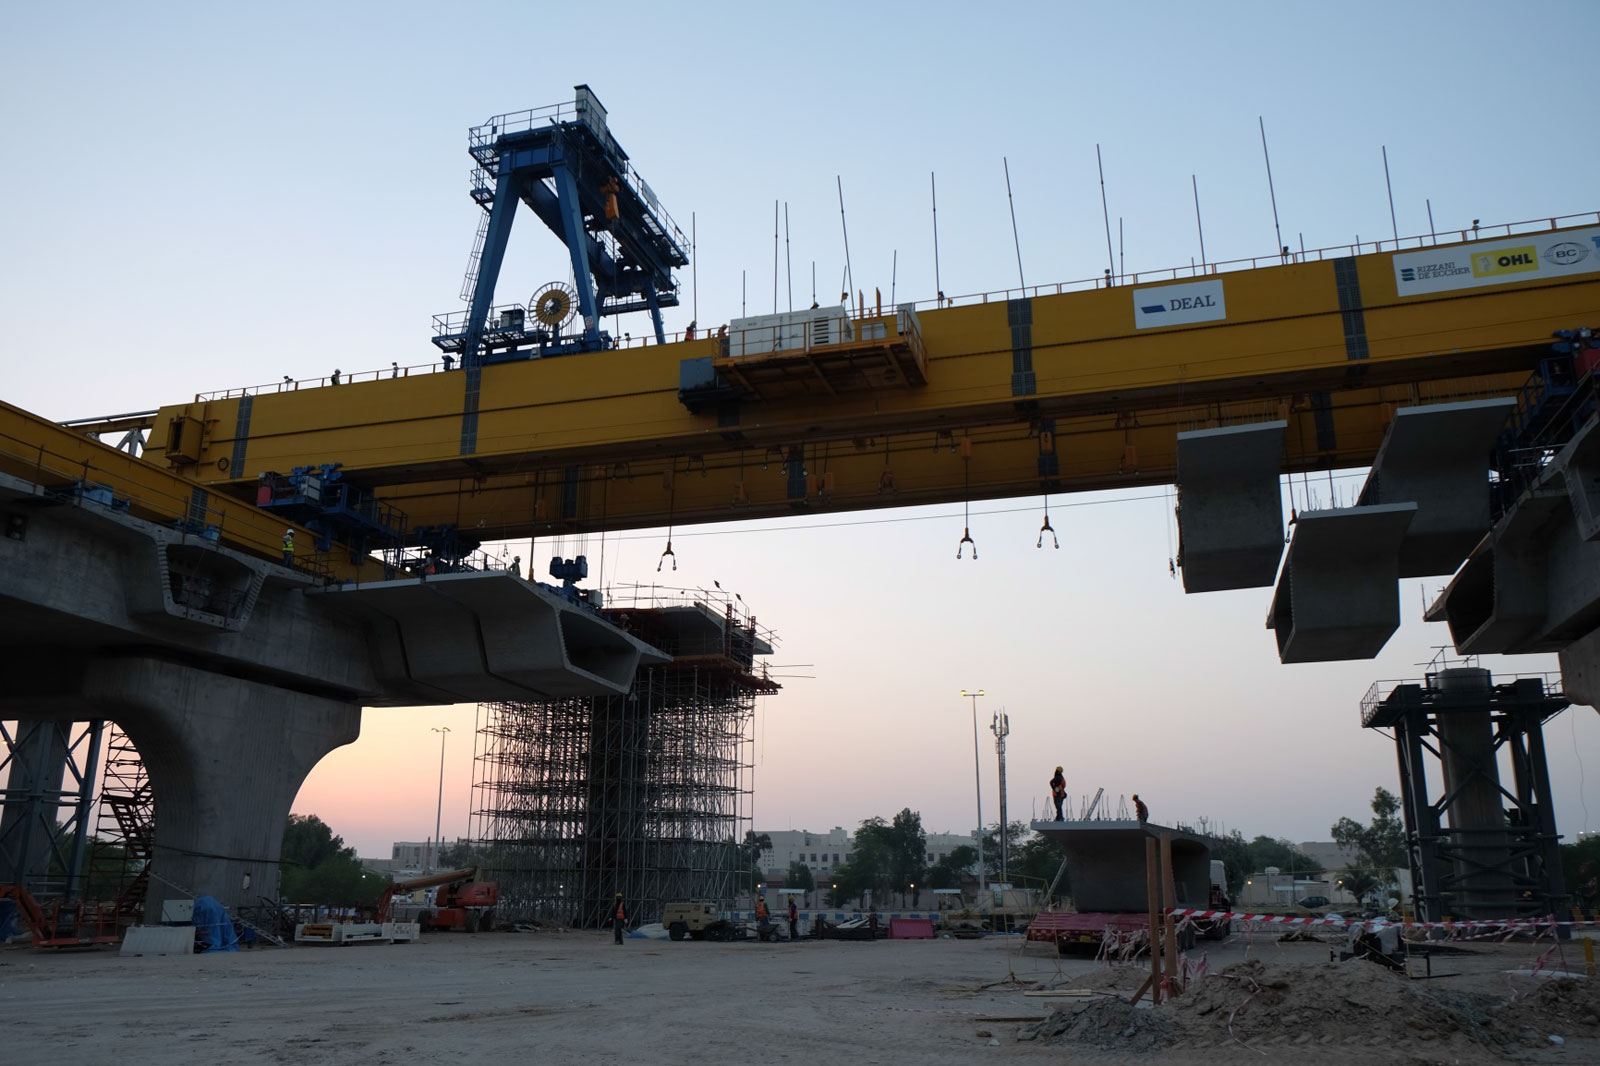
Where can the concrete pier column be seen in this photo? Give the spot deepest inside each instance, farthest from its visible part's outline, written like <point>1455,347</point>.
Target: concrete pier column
<point>1480,844</point>
<point>226,757</point>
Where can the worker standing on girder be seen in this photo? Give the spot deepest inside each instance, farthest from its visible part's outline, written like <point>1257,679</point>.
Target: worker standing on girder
<point>1140,809</point>
<point>335,375</point>
<point>619,920</point>
<point>1058,791</point>
<point>516,566</point>
<point>288,547</point>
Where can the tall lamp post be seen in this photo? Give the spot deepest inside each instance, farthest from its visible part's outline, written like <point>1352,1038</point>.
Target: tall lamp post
<point>977,781</point>
<point>438,816</point>
<point>1002,729</point>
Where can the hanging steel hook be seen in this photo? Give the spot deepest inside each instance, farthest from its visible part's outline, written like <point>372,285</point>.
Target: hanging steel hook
<point>966,512</point>
<point>1047,527</point>
<point>666,553</point>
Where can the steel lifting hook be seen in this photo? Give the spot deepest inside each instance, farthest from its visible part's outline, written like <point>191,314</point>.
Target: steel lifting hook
<point>666,553</point>
<point>966,508</point>
<point>1047,528</point>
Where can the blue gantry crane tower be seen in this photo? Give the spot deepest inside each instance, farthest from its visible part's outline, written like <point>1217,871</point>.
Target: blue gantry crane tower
<point>564,164</point>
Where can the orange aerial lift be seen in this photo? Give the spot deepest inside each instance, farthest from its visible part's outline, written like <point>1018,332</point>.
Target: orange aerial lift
<point>461,902</point>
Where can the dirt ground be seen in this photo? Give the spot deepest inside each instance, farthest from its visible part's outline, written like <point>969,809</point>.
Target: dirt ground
<point>574,997</point>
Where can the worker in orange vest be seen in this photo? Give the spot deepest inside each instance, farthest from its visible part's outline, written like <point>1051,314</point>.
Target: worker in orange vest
<point>1058,791</point>
<point>619,920</point>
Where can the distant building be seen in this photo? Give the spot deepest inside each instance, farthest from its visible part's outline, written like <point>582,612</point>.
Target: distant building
<point>821,853</point>
<point>1329,855</point>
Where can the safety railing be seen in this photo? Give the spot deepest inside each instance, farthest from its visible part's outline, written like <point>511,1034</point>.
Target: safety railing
<point>481,144</point>
<point>639,596</point>
<point>1380,690</point>
<point>1283,258</point>
<point>83,482</point>
<point>338,377</point>
<point>443,323</point>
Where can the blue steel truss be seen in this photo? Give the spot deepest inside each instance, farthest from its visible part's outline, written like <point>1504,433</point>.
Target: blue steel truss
<point>563,163</point>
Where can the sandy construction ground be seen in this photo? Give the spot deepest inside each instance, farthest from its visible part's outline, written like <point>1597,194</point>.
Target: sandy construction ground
<point>574,997</point>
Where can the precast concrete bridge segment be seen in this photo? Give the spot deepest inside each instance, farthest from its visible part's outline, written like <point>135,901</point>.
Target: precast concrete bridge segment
<point>233,675</point>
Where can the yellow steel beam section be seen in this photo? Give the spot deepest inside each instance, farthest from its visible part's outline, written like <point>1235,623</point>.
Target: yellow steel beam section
<point>59,458</point>
<point>600,440</point>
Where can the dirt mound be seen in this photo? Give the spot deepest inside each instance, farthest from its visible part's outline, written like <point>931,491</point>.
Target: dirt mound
<point>1356,1002</point>
<point>1348,1005</point>
<point>1104,1023</point>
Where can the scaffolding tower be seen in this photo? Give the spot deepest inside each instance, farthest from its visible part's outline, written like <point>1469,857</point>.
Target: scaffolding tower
<point>648,794</point>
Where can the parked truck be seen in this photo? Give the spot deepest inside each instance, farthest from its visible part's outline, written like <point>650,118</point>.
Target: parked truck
<point>699,919</point>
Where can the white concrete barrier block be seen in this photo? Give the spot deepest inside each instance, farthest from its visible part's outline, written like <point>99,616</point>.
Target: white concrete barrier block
<point>159,940</point>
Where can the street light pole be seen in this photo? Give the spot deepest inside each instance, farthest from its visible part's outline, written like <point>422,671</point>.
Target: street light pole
<point>438,816</point>
<point>977,780</point>
<point>1002,729</point>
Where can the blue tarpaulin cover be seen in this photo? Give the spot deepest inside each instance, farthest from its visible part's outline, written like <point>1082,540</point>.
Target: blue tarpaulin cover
<point>212,927</point>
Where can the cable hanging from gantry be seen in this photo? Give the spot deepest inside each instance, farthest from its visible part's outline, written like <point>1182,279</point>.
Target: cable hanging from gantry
<point>671,485</point>
<point>966,501</point>
<point>1046,528</point>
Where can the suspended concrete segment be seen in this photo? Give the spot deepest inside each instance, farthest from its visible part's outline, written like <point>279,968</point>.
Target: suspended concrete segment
<point>1437,457</point>
<point>1533,584</point>
<point>1230,509</point>
<point>1106,863</point>
<point>1339,597</point>
<point>489,636</point>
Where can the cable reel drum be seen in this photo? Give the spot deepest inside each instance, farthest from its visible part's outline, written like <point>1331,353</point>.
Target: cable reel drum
<point>555,305</point>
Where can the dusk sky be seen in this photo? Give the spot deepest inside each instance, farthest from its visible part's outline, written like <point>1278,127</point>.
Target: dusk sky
<point>205,196</point>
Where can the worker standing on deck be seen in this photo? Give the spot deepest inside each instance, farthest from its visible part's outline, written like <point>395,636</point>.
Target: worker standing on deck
<point>1140,809</point>
<point>336,375</point>
<point>288,547</point>
<point>794,919</point>
<point>619,921</point>
<point>1058,791</point>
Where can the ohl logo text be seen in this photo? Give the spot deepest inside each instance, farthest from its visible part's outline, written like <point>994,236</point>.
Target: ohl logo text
<point>1505,261</point>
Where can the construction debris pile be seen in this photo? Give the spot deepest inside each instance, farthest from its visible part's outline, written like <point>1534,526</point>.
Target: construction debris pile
<point>1349,1004</point>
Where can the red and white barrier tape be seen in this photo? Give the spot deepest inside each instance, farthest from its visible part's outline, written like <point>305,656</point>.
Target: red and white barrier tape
<point>1374,923</point>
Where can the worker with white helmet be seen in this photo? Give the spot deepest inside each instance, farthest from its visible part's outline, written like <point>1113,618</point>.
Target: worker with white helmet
<point>288,547</point>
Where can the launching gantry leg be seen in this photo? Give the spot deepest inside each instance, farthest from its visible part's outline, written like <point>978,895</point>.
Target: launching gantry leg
<point>563,163</point>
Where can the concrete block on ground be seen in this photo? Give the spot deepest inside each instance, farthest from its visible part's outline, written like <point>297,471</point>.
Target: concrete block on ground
<point>1230,508</point>
<point>158,940</point>
<point>1338,596</point>
<point>1106,863</point>
<point>1437,457</point>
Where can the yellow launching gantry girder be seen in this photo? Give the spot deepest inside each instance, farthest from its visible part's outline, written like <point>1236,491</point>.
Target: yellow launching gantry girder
<point>1006,396</point>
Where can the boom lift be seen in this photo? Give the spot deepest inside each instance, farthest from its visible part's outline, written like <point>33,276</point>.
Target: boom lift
<point>461,902</point>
